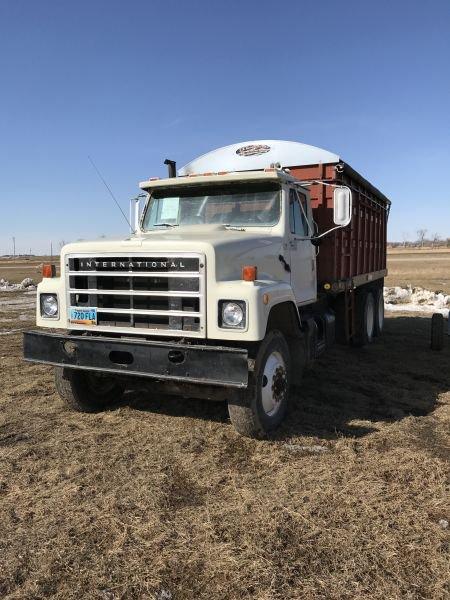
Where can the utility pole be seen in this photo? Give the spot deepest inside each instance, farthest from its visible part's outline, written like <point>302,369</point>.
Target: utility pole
<point>14,247</point>
<point>51,250</point>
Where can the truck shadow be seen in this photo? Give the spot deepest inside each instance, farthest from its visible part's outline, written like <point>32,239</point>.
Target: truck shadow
<point>348,390</point>
<point>174,406</point>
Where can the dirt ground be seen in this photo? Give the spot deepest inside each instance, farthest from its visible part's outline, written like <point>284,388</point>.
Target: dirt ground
<point>159,498</point>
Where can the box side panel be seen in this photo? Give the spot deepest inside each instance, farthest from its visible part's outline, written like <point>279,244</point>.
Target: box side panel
<point>359,248</point>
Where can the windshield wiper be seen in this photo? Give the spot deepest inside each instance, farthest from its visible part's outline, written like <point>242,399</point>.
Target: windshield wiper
<point>165,225</point>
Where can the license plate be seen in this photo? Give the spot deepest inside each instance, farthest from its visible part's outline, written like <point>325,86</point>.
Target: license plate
<point>83,316</point>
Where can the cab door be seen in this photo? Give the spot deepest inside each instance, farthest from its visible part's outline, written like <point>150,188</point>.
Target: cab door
<point>302,251</point>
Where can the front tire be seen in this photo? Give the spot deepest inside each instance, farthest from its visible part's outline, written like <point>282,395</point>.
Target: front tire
<point>85,391</point>
<point>265,403</point>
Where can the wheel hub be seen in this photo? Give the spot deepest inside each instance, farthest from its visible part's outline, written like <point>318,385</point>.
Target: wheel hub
<point>279,384</point>
<point>273,384</point>
<point>370,317</point>
<point>100,384</point>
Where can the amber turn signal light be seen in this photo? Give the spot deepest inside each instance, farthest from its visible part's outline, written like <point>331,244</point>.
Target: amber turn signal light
<point>48,270</point>
<point>249,273</point>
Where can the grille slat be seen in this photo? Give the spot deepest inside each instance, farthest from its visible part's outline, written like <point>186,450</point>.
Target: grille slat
<point>149,293</point>
<point>134,274</point>
<point>135,293</point>
<point>137,311</point>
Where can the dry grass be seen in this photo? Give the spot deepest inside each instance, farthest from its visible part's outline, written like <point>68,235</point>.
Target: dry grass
<point>16,270</point>
<point>160,498</point>
<point>426,268</point>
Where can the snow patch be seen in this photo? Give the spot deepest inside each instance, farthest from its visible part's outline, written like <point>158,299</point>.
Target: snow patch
<point>416,299</point>
<point>26,284</point>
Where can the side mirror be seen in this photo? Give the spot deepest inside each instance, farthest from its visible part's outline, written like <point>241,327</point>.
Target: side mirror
<point>342,206</point>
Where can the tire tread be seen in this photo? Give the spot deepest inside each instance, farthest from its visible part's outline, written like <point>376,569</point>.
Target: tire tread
<point>73,388</point>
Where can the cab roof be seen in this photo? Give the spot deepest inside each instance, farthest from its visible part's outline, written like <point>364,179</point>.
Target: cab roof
<point>205,178</point>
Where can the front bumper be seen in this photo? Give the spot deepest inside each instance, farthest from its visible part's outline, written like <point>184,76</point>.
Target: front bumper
<point>199,364</point>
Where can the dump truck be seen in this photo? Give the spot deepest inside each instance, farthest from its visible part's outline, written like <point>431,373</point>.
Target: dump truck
<point>241,269</point>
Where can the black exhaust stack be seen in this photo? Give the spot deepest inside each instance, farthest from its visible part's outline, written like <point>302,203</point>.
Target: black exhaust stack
<point>172,165</point>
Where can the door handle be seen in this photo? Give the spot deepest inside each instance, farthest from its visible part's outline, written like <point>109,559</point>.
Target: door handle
<point>284,263</point>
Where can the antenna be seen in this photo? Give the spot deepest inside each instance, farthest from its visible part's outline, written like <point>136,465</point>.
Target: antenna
<point>110,192</point>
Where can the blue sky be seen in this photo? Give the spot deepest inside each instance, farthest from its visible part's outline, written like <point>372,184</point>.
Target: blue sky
<point>131,83</point>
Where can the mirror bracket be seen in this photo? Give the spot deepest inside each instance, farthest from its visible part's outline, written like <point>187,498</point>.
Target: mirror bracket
<point>135,213</point>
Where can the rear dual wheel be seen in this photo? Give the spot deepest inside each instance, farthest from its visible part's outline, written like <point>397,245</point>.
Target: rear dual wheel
<point>369,316</point>
<point>379,310</point>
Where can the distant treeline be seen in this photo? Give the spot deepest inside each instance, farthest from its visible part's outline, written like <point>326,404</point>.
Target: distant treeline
<point>18,256</point>
<point>422,240</point>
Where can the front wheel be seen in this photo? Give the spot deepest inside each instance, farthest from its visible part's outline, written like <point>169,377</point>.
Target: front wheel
<point>86,391</point>
<point>265,403</point>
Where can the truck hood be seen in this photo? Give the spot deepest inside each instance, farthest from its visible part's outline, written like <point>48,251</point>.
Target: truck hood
<point>226,250</point>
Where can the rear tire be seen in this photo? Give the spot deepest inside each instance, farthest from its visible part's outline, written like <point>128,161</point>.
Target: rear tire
<point>365,319</point>
<point>379,311</point>
<point>85,391</point>
<point>437,331</point>
<point>264,405</point>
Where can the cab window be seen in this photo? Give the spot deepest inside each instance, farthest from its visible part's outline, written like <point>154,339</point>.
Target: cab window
<point>298,222</point>
<point>302,200</point>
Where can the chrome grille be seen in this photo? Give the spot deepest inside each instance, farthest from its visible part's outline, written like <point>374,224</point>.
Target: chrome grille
<point>140,293</point>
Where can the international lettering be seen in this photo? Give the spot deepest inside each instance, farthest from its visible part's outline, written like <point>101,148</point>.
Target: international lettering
<point>151,265</point>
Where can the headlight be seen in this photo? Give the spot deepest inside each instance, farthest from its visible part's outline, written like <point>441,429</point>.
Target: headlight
<point>232,314</point>
<point>49,305</point>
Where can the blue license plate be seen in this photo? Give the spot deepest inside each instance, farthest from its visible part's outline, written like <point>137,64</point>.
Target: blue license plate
<point>83,316</point>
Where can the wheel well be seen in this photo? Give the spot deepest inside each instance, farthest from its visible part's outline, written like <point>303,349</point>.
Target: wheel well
<point>285,318</point>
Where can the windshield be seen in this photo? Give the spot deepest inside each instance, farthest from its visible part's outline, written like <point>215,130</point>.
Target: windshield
<point>248,205</point>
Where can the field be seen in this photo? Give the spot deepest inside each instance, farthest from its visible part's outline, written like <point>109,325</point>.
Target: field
<point>159,498</point>
<point>15,271</point>
<point>426,268</point>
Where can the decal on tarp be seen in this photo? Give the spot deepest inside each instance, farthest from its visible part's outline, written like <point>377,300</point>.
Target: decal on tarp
<point>252,150</point>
